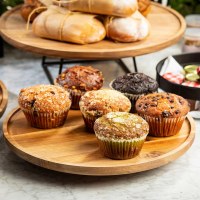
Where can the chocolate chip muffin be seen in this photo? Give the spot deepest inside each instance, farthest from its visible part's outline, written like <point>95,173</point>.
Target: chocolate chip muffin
<point>134,85</point>
<point>45,106</point>
<point>121,135</point>
<point>96,103</point>
<point>79,79</point>
<point>165,112</point>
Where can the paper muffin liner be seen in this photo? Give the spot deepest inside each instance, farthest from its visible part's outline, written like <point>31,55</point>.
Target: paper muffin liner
<point>132,97</point>
<point>164,127</point>
<point>121,150</point>
<point>89,122</point>
<point>75,98</point>
<point>45,120</point>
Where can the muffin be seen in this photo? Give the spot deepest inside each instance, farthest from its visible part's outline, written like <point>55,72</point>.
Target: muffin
<point>134,85</point>
<point>120,135</point>
<point>164,112</point>
<point>45,106</point>
<point>94,104</point>
<point>79,79</point>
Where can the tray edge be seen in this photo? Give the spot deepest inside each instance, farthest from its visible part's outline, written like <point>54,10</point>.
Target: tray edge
<point>4,98</point>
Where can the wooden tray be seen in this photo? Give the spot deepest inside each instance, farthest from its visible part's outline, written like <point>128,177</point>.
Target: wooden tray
<point>3,98</point>
<point>167,27</point>
<point>71,149</point>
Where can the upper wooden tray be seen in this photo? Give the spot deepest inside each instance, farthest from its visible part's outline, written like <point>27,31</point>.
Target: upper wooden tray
<point>167,27</point>
<point>71,149</point>
<point>3,98</point>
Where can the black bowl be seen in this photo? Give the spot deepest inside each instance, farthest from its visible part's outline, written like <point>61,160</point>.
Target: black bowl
<point>184,91</point>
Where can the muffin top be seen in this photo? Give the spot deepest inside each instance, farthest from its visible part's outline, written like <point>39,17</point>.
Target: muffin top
<point>162,104</point>
<point>135,83</point>
<point>100,102</point>
<point>120,126</point>
<point>44,98</point>
<point>84,78</point>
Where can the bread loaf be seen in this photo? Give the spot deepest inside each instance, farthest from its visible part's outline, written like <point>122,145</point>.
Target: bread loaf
<point>121,8</point>
<point>60,24</point>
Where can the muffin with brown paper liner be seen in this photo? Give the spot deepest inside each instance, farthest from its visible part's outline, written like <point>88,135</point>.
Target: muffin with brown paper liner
<point>96,103</point>
<point>121,135</point>
<point>79,79</point>
<point>44,106</point>
<point>165,113</point>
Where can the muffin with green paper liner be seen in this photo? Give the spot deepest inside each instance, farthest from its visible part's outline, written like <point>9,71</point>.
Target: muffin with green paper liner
<point>121,135</point>
<point>79,79</point>
<point>96,103</point>
<point>134,85</point>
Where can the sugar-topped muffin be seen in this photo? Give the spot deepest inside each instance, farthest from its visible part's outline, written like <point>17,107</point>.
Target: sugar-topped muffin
<point>121,135</point>
<point>94,104</point>
<point>134,85</point>
<point>165,112</point>
<point>79,79</point>
<point>45,106</point>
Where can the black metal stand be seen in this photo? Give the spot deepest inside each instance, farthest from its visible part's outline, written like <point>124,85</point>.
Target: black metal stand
<point>46,64</point>
<point>1,47</point>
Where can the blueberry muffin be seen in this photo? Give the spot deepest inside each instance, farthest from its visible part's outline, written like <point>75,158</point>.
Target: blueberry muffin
<point>96,103</point>
<point>134,85</point>
<point>79,79</point>
<point>45,106</point>
<point>121,135</point>
<point>165,113</point>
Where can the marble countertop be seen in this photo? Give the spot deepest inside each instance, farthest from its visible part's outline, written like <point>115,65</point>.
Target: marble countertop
<point>20,180</point>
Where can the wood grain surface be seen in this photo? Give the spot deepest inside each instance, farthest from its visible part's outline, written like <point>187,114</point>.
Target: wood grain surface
<point>71,149</point>
<point>3,98</point>
<point>167,27</point>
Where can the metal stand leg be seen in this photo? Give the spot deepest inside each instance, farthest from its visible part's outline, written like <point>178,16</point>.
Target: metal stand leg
<point>1,47</point>
<point>135,64</point>
<point>61,66</point>
<point>46,70</point>
<point>123,66</point>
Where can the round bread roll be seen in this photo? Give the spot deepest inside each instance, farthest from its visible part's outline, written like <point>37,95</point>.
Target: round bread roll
<point>129,29</point>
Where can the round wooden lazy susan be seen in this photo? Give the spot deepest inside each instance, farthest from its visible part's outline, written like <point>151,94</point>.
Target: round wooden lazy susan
<point>72,149</point>
<point>167,27</point>
<point>3,98</point>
